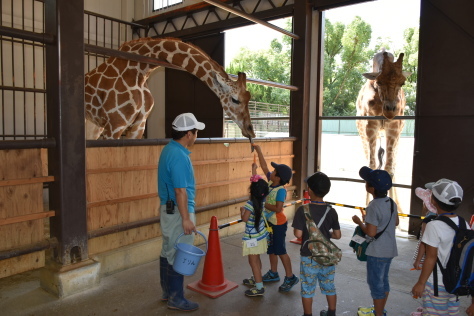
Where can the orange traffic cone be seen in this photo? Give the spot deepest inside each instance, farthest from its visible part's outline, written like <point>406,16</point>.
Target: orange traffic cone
<point>213,283</point>
<point>306,200</point>
<point>472,221</point>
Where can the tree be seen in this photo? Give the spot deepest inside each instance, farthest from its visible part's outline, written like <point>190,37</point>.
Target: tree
<point>346,56</point>
<point>272,64</point>
<point>410,63</point>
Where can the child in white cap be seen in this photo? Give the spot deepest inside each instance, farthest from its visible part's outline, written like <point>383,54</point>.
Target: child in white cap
<point>438,239</point>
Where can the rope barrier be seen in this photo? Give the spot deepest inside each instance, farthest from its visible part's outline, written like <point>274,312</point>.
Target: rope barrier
<point>330,203</point>
<point>363,209</point>
<point>240,221</point>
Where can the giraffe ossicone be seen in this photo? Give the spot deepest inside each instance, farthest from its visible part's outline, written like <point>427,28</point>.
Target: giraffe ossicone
<point>118,99</point>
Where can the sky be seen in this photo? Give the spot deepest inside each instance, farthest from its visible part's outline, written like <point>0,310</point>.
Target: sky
<point>388,18</point>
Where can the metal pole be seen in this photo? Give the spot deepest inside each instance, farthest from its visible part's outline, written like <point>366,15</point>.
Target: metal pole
<point>250,17</point>
<point>66,117</point>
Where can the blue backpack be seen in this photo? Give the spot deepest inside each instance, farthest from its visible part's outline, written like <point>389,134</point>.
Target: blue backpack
<point>458,277</point>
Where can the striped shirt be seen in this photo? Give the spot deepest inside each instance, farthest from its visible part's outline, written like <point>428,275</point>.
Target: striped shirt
<point>250,231</point>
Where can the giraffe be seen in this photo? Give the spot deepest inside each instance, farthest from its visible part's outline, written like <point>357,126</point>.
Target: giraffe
<point>382,95</point>
<point>118,99</point>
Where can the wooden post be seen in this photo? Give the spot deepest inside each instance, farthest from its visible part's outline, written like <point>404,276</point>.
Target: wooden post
<point>300,75</point>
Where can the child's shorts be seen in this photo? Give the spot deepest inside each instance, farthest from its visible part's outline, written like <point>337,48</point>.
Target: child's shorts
<point>261,248</point>
<point>377,276</point>
<point>311,272</point>
<point>277,243</point>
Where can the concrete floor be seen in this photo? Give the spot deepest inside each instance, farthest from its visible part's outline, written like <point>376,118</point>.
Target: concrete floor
<point>136,291</point>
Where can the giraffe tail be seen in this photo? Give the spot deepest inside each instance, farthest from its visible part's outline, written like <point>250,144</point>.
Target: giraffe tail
<point>380,155</point>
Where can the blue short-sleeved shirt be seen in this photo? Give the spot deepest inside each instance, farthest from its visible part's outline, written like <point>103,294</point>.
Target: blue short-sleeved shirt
<point>175,170</point>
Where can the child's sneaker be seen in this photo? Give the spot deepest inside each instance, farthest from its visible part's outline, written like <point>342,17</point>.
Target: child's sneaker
<point>255,292</point>
<point>288,283</point>
<point>368,311</point>
<point>419,312</point>
<point>250,281</point>
<point>271,276</point>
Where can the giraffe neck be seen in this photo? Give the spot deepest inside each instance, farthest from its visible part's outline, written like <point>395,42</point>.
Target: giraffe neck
<point>178,53</point>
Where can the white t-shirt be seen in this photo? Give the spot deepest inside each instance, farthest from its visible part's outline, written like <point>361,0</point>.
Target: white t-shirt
<point>440,235</point>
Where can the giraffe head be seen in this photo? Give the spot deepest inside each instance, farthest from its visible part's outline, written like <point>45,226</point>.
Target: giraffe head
<point>235,98</point>
<point>388,81</point>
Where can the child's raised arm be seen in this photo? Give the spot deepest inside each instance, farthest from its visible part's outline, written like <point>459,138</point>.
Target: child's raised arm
<point>261,159</point>
<point>254,169</point>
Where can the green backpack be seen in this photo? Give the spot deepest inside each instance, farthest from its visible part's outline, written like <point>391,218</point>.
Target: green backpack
<point>323,251</point>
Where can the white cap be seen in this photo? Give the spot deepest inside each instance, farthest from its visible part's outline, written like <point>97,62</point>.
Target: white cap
<point>186,122</point>
<point>445,190</point>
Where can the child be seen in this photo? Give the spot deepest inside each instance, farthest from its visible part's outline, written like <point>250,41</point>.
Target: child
<point>380,252</point>
<point>277,220</point>
<point>430,213</point>
<point>254,241</point>
<point>438,239</point>
<point>310,271</point>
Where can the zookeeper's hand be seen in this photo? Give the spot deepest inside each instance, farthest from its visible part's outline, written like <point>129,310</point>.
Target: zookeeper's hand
<point>356,219</point>
<point>188,226</point>
<point>418,289</point>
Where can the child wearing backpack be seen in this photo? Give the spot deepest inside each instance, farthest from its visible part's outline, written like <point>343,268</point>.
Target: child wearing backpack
<point>312,272</point>
<point>254,241</point>
<point>430,213</point>
<point>381,217</point>
<point>438,239</point>
<point>275,215</point>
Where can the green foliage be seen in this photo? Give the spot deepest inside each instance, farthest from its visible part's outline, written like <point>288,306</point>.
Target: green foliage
<point>272,64</point>
<point>346,56</point>
<point>410,63</point>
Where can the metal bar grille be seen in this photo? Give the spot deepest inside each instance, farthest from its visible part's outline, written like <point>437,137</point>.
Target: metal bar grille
<point>23,108</point>
<point>22,79</point>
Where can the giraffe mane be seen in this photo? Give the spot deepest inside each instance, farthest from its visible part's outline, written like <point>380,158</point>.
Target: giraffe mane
<point>216,65</point>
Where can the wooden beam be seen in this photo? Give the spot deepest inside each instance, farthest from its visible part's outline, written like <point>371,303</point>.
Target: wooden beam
<point>4,183</point>
<point>25,218</point>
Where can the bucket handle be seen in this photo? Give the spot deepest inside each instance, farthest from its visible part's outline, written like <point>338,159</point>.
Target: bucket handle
<point>182,234</point>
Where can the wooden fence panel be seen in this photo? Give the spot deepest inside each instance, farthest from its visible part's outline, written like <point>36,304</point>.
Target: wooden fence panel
<point>122,185</point>
<point>22,216</point>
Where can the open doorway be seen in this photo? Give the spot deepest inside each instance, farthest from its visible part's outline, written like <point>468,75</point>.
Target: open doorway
<point>353,35</point>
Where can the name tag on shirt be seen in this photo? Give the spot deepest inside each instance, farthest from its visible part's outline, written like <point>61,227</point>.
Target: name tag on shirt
<point>251,243</point>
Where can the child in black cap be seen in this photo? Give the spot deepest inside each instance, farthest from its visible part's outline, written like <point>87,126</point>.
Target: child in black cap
<point>327,221</point>
<point>381,216</point>
<point>277,220</point>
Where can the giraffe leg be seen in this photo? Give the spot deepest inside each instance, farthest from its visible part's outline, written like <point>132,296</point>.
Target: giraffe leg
<point>137,128</point>
<point>362,128</point>
<point>393,130</point>
<point>369,130</point>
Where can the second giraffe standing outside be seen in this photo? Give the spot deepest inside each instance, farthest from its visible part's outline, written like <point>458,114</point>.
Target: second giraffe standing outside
<point>280,176</point>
